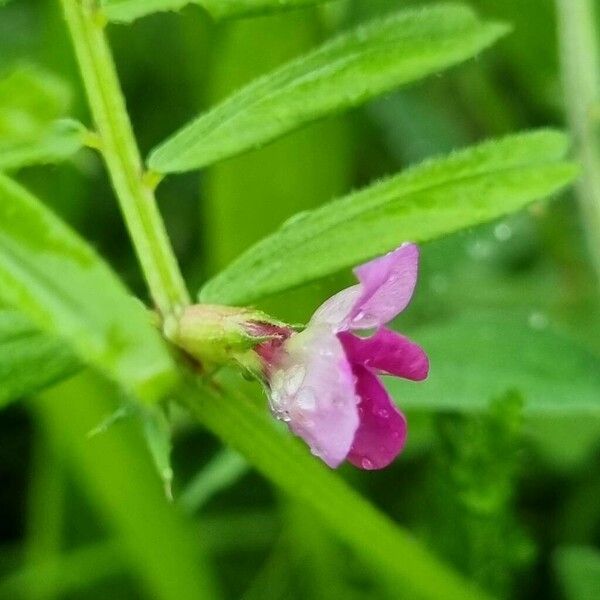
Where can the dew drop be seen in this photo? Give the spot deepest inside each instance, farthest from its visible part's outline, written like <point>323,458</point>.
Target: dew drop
<point>316,451</point>
<point>479,250</point>
<point>281,415</point>
<point>365,463</point>
<point>439,283</point>
<point>360,315</point>
<point>538,320</point>
<point>503,232</point>
<point>381,412</point>
<point>396,435</point>
<point>294,379</point>
<point>306,399</point>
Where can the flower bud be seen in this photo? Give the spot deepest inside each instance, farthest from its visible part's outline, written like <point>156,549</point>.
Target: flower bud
<point>216,335</point>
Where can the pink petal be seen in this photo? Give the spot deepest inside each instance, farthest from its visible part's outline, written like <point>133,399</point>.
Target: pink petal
<point>312,389</point>
<point>338,310</point>
<point>387,284</point>
<point>382,431</point>
<point>388,352</point>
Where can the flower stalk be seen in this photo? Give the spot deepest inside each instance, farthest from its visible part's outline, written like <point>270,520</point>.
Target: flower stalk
<point>580,65</point>
<point>121,154</point>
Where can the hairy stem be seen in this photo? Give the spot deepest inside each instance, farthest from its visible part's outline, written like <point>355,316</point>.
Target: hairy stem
<point>580,60</point>
<point>122,157</point>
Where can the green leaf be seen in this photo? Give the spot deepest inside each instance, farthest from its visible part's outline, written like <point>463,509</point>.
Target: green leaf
<point>157,432</point>
<point>433,199</point>
<point>483,355</point>
<point>162,548</point>
<point>125,11</point>
<point>33,103</point>
<point>63,139</point>
<point>222,471</point>
<point>392,552</point>
<point>578,569</point>
<point>345,72</point>
<point>29,360</point>
<point>59,282</point>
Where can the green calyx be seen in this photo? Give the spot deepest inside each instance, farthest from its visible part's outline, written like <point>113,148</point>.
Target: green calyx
<point>216,335</point>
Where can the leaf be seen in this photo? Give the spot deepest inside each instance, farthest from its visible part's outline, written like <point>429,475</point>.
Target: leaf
<point>125,11</point>
<point>393,552</point>
<point>578,569</point>
<point>54,278</point>
<point>63,139</point>
<point>157,432</point>
<point>222,471</point>
<point>115,471</point>
<point>33,104</point>
<point>482,355</point>
<point>345,72</point>
<point>29,360</point>
<point>433,199</point>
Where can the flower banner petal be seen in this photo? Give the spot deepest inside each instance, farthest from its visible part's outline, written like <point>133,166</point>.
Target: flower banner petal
<point>388,283</point>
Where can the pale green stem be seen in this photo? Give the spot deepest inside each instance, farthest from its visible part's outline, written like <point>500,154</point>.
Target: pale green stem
<point>134,191</point>
<point>580,62</point>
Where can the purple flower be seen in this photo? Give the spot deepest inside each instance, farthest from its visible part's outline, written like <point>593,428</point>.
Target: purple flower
<point>323,381</point>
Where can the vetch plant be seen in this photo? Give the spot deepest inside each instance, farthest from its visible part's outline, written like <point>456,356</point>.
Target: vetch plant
<point>71,312</point>
<point>323,380</point>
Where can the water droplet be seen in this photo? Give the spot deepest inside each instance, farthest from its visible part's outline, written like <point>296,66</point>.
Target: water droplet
<point>396,435</point>
<point>360,315</point>
<point>361,411</point>
<point>316,451</point>
<point>306,399</point>
<point>294,379</point>
<point>439,283</point>
<point>538,320</point>
<point>365,463</point>
<point>479,250</point>
<point>503,232</point>
<point>381,412</point>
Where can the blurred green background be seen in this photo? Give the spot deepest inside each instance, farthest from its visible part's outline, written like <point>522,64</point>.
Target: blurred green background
<point>509,496</point>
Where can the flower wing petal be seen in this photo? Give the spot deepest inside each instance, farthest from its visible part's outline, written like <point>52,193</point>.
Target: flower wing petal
<point>388,352</point>
<point>381,434</point>
<point>337,311</point>
<point>387,285</point>
<point>313,390</point>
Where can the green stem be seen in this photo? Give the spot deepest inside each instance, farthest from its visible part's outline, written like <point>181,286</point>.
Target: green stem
<point>580,61</point>
<point>399,558</point>
<point>120,151</point>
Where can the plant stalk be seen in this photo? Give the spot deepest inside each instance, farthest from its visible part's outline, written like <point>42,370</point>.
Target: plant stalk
<point>119,149</point>
<point>580,64</point>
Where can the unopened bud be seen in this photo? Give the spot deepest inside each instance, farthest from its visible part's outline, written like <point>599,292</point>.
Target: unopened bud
<point>216,335</point>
